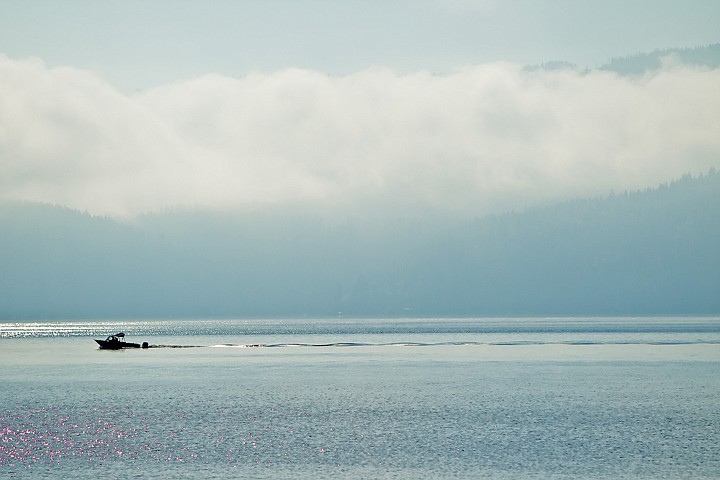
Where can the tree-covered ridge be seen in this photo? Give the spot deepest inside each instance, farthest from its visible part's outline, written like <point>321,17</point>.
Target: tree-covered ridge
<point>639,63</point>
<point>649,252</point>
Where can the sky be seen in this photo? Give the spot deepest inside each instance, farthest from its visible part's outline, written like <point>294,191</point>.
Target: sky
<point>119,108</point>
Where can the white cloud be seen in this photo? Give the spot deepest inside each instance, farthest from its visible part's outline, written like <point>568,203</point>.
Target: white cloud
<point>482,139</point>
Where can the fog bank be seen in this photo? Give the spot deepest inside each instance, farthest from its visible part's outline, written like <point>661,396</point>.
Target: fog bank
<point>483,139</point>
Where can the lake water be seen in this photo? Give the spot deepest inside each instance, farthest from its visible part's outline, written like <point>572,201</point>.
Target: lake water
<point>503,398</point>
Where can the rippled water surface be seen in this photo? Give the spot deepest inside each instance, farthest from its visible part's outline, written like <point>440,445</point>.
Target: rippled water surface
<point>428,398</point>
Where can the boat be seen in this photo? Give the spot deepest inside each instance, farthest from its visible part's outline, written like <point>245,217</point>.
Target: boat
<point>117,342</point>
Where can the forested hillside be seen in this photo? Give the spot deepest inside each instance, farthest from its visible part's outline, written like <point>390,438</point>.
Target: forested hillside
<point>650,252</point>
<point>707,56</point>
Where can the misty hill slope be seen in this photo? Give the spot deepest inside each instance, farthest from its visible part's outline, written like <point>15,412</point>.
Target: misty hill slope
<point>639,63</point>
<point>650,252</point>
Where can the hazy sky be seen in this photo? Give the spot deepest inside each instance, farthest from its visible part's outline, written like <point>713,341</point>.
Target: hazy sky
<point>120,107</point>
<point>138,43</point>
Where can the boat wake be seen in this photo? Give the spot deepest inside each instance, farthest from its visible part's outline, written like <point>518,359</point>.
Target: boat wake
<point>448,344</point>
<point>177,346</point>
<point>341,344</point>
<point>435,344</point>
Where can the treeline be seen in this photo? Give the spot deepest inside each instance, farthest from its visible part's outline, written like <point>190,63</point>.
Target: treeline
<point>650,252</point>
<point>639,63</point>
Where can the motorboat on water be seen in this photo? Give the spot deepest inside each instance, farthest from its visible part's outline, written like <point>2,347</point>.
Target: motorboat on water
<point>117,342</point>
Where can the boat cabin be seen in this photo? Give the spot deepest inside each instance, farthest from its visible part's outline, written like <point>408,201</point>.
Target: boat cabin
<point>118,337</point>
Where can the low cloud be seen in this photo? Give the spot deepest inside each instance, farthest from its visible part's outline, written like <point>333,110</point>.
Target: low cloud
<point>482,139</point>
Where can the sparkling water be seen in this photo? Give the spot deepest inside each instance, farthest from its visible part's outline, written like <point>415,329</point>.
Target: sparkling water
<point>363,398</point>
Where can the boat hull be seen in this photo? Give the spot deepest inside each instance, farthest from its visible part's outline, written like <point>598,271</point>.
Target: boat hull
<point>114,345</point>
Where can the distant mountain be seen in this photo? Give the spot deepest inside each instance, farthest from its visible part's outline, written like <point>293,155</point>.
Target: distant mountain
<point>649,252</point>
<point>639,63</point>
<point>551,66</point>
